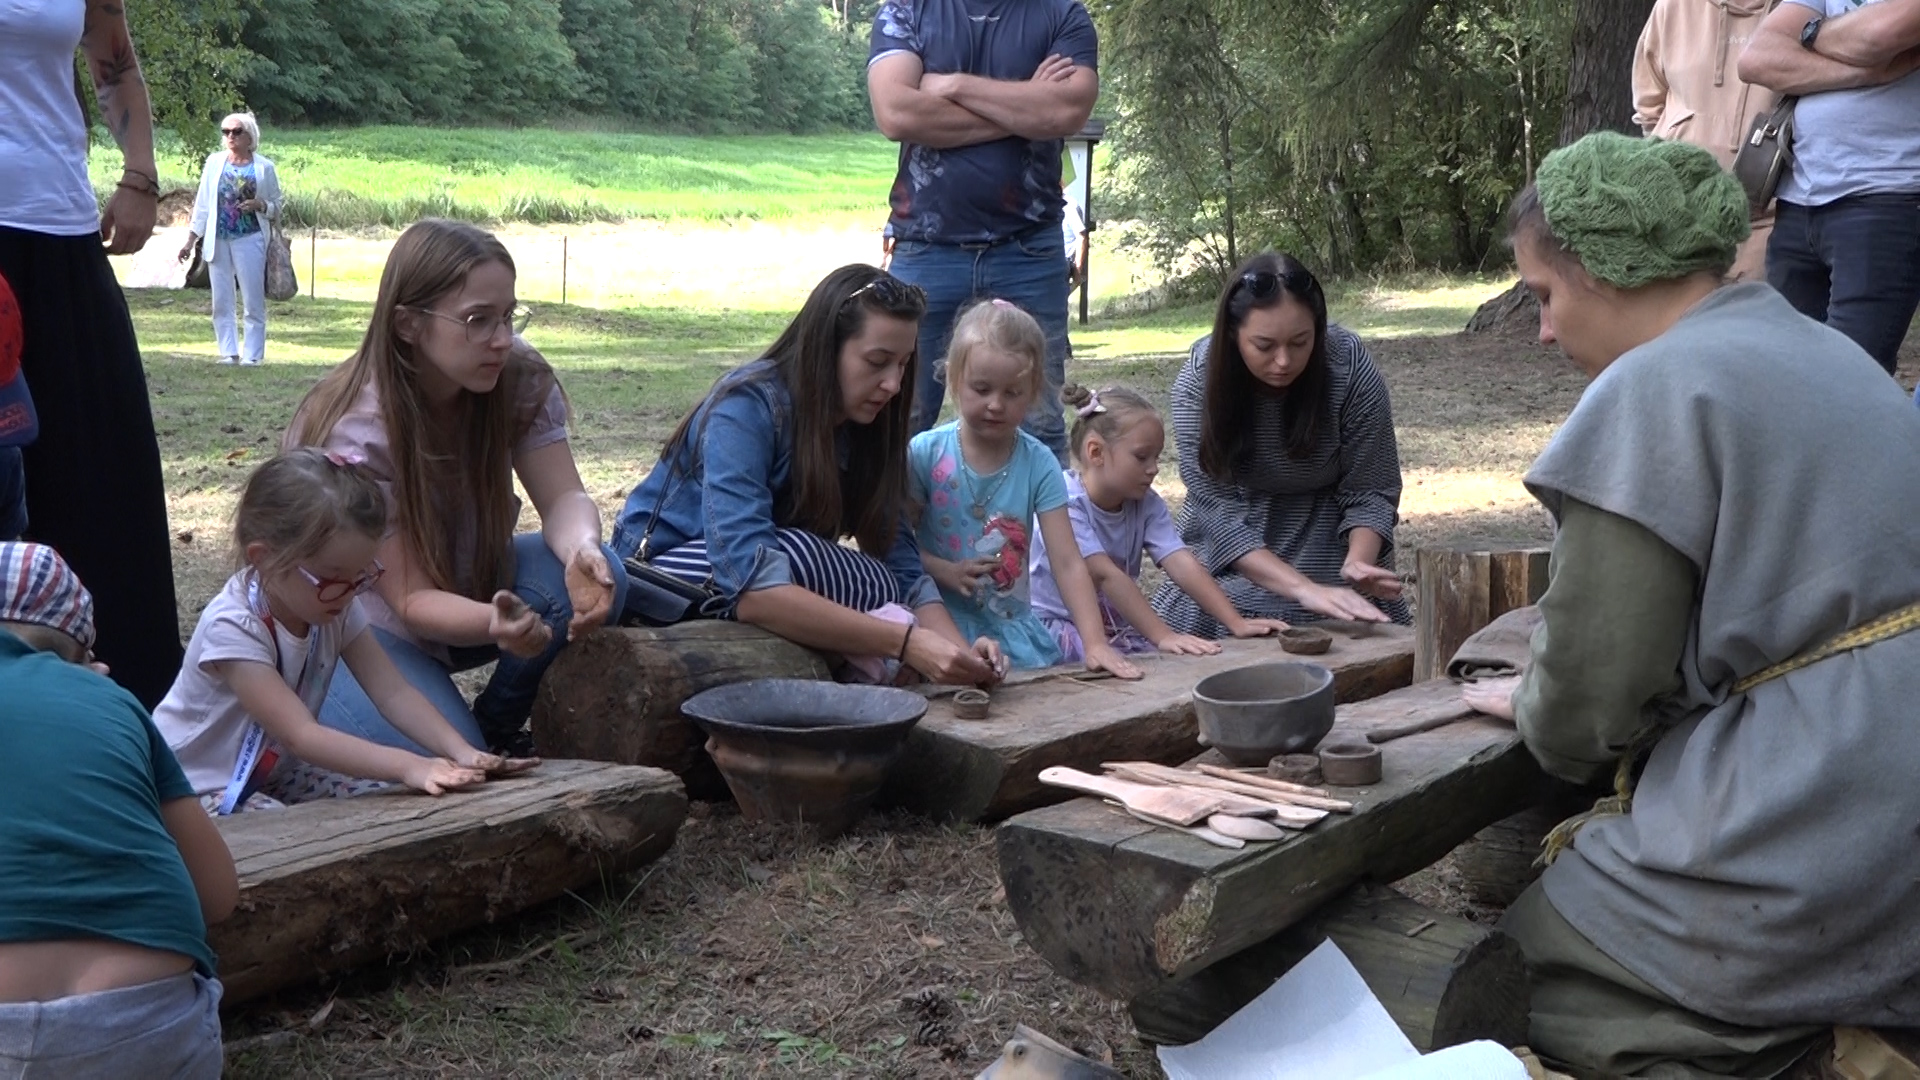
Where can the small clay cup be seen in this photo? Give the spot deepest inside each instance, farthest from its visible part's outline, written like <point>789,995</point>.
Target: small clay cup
<point>1305,640</point>
<point>1350,764</point>
<point>1296,769</point>
<point>972,704</point>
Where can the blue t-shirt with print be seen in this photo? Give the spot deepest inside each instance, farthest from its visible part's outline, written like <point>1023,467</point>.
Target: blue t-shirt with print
<point>965,515</point>
<point>991,190</point>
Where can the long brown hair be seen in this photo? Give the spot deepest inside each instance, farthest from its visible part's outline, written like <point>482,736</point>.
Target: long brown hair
<point>473,457</point>
<point>806,357</point>
<point>1232,391</point>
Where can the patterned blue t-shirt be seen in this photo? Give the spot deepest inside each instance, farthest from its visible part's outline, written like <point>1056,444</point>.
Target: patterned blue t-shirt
<point>992,190</point>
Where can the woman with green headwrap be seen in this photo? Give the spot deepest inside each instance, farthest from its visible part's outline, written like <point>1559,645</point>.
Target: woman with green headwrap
<point>1735,493</point>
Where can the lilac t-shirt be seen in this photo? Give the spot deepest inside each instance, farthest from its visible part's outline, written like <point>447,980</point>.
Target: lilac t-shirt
<point>1121,535</point>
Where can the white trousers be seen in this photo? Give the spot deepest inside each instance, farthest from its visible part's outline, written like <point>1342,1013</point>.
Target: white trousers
<point>244,258</point>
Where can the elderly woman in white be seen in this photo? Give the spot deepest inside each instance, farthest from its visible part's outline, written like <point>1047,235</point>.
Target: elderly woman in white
<point>239,198</point>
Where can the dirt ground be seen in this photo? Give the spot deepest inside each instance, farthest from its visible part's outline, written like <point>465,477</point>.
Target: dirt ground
<point>747,951</point>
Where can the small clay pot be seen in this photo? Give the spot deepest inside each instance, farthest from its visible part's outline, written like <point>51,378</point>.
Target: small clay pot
<point>972,704</point>
<point>1296,769</point>
<point>1305,640</point>
<point>1350,764</point>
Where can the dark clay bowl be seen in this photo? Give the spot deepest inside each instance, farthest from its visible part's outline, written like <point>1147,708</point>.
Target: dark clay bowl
<point>1252,713</point>
<point>804,750</point>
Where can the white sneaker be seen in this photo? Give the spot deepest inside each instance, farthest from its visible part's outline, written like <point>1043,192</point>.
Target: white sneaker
<point>229,361</point>
<point>250,363</point>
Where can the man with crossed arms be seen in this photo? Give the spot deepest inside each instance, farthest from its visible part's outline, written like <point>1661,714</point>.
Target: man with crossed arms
<point>979,95</point>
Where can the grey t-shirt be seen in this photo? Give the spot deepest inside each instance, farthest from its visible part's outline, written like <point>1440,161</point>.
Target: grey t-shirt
<point>1854,142</point>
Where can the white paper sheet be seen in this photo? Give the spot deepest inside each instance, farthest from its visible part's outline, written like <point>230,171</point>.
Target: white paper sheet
<point>1321,1022</point>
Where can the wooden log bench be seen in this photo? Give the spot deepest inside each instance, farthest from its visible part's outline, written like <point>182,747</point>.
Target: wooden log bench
<point>984,770</point>
<point>330,885</point>
<point>1130,909</point>
<point>1443,979</point>
<point>616,695</point>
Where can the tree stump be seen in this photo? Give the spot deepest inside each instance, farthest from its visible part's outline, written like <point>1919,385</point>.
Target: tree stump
<point>1460,588</point>
<point>1443,979</point>
<point>615,694</point>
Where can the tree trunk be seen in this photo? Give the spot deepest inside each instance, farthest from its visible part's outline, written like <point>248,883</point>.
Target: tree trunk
<point>1600,74</point>
<point>1599,98</point>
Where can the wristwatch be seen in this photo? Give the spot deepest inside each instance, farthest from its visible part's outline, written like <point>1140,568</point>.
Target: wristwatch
<point>1810,32</point>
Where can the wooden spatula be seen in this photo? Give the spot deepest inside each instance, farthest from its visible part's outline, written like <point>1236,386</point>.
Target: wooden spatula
<point>1198,832</point>
<point>1178,805</point>
<point>1245,828</point>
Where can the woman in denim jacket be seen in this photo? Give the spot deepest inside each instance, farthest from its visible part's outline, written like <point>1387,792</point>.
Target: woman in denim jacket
<point>791,452</point>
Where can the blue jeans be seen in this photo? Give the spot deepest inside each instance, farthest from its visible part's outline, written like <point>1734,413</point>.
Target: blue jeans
<point>1023,269</point>
<point>13,494</point>
<point>167,1028</point>
<point>505,704</point>
<point>1853,264</point>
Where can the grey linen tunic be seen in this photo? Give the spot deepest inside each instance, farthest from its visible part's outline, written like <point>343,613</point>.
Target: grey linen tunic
<point>1767,874</point>
<point>1301,510</point>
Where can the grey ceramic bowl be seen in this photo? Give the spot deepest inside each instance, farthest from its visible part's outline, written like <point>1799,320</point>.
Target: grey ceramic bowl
<point>1252,713</point>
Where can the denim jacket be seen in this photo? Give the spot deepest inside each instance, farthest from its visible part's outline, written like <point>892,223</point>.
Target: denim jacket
<point>723,482</point>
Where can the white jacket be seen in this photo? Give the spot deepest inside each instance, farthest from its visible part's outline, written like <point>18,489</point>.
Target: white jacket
<point>208,199</point>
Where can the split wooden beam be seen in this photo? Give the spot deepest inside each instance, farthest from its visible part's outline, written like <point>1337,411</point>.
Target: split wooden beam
<point>1443,979</point>
<point>330,885</point>
<point>984,770</point>
<point>1461,587</point>
<point>616,695</point>
<point>1128,908</point>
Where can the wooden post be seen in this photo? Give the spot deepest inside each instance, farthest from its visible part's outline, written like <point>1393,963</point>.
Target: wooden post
<point>1461,587</point>
<point>1443,979</point>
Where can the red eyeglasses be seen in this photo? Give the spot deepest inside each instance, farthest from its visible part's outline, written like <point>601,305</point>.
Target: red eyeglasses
<point>330,589</point>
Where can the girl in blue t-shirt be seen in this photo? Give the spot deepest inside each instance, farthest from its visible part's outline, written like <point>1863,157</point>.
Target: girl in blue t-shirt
<point>981,482</point>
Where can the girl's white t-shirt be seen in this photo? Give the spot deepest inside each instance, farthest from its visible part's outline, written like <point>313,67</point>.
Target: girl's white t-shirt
<point>201,718</point>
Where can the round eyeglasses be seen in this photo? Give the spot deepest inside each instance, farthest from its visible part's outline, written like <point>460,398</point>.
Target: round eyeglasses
<point>483,325</point>
<point>328,590</point>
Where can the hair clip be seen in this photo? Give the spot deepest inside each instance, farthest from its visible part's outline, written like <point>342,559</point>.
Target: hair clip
<point>345,460</point>
<point>1092,407</point>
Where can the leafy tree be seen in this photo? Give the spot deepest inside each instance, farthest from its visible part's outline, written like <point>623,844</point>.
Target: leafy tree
<point>193,62</point>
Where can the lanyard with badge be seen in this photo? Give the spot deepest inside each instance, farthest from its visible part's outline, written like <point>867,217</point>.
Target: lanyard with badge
<point>258,756</point>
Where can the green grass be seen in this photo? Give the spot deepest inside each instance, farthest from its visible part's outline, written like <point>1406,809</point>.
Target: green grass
<point>392,176</point>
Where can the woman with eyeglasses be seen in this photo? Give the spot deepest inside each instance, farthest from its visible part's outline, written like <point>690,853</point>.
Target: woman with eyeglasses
<point>786,455</point>
<point>1728,638</point>
<point>446,404</point>
<point>233,212</point>
<point>1287,450</point>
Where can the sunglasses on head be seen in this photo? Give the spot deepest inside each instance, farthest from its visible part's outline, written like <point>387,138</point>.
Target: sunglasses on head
<point>891,292</point>
<point>1266,284</point>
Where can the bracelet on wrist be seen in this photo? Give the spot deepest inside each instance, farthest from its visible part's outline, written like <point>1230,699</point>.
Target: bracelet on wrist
<point>904,642</point>
<point>140,189</point>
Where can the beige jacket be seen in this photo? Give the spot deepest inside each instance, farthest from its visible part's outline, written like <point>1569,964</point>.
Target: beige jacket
<point>1685,83</point>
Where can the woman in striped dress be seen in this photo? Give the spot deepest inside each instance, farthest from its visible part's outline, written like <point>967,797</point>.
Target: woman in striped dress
<point>1286,446</point>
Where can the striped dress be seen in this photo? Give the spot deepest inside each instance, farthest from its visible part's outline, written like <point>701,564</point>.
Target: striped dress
<point>1301,510</point>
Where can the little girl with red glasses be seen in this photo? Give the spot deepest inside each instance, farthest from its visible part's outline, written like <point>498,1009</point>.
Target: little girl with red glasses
<point>241,714</point>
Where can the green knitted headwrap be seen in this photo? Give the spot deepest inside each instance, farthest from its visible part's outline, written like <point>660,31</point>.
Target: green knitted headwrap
<point>1637,211</point>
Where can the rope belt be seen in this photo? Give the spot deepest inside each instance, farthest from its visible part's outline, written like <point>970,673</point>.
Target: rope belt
<point>1890,625</point>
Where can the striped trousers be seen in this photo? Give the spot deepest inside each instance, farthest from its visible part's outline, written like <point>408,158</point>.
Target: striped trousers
<point>841,574</point>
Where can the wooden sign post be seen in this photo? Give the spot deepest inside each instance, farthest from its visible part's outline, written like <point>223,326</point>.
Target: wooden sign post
<point>1461,587</point>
